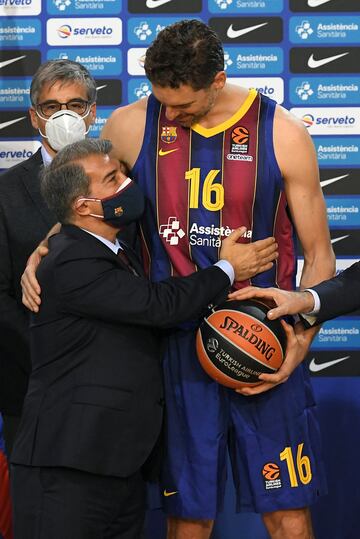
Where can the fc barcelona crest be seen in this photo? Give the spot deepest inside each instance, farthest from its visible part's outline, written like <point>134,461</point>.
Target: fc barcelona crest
<point>168,134</point>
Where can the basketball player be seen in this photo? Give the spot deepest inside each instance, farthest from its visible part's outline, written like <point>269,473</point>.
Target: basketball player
<point>210,156</point>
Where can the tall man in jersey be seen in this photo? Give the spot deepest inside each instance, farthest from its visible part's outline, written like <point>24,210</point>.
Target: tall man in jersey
<point>210,156</point>
<point>213,155</point>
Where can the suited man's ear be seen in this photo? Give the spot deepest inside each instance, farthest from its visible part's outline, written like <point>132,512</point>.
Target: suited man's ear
<point>81,207</point>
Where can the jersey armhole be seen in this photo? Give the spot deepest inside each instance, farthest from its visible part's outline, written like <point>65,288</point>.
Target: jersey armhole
<point>269,141</point>
<point>152,109</point>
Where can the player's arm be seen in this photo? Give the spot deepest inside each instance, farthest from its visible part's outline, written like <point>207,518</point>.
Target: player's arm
<point>296,156</point>
<point>30,287</point>
<point>125,129</point>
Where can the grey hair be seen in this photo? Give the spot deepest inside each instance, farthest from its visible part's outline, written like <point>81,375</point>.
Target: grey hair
<point>64,180</point>
<point>65,71</point>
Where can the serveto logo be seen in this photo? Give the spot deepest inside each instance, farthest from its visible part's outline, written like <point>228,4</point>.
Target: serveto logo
<point>89,31</point>
<point>20,32</point>
<point>13,152</point>
<point>64,31</point>
<point>343,212</point>
<point>84,7</point>
<point>99,61</point>
<point>339,152</point>
<point>247,60</point>
<point>246,6</point>
<point>11,8</point>
<point>330,121</point>
<point>338,335</point>
<point>325,29</point>
<point>135,61</point>
<point>329,91</point>
<point>14,93</point>
<point>270,86</point>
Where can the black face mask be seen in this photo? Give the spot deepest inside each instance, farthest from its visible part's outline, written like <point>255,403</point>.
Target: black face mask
<point>123,207</point>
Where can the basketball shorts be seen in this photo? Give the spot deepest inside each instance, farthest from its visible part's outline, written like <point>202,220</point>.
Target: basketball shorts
<point>273,441</point>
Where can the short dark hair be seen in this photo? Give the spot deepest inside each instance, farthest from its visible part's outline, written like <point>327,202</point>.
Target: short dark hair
<point>66,71</point>
<point>64,179</point>
<point>187,52</point>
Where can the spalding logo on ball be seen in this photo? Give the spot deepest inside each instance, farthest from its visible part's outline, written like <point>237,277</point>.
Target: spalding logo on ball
<point>237,342</point>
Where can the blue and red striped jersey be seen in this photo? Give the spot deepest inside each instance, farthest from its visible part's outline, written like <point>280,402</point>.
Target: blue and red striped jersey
<point>202,183</point>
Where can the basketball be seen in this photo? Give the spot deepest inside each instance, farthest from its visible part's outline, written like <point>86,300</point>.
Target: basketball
<point>237,342</point>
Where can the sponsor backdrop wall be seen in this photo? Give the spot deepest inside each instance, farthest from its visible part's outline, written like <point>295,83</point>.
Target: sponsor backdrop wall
<point>302,53</point>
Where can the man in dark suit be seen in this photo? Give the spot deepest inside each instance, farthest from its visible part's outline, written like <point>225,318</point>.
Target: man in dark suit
<point>63,98</point>
<point>93,410</point>
<point>329,299</point>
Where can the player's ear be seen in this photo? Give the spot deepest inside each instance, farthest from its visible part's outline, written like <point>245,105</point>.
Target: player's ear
<point>219,80</point>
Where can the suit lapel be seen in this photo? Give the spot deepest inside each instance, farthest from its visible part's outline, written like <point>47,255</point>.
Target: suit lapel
<point>73,230</point>
<point>31,181</point>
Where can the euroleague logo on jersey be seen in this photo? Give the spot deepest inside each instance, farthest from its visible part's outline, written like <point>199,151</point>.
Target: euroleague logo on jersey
<point>271,476</point>
<point>239,144</point>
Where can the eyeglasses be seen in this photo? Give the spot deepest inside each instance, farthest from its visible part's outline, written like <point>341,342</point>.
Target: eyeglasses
<point>48,108</point>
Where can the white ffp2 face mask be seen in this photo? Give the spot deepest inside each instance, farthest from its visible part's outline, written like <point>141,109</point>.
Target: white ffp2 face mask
<point>63,128</point>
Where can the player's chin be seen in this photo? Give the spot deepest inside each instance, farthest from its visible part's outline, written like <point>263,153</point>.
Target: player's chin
<point>186,122</point>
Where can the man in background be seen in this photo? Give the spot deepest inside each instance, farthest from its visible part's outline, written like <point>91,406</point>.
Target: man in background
<point>63,96</point>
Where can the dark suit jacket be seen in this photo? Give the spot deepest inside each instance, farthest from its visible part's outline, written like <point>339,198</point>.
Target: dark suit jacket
<point>24,222</point>
<point>95,394</point>
<point>339,295</point>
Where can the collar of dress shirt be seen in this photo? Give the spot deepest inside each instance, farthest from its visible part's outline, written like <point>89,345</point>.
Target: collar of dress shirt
<point>113,246</point>
<point>46,157</point>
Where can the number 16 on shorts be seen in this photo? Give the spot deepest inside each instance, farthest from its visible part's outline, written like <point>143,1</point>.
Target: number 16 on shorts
<point>298,468</point>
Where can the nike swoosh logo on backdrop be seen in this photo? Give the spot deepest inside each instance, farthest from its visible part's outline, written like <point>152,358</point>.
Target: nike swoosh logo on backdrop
<point>152,4</point>
<point>7,62</point>
<point>10,122</point>
<point>101,87</point>
<point>335,240</point>
<point>166,152</point>
<point>324,183</point>
<point>313,64</point>
<point>316,367</point>
<point>232,34</point>
<point>317,3</point>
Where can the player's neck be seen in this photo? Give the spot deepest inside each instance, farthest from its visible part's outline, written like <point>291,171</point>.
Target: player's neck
<point>227,103</point>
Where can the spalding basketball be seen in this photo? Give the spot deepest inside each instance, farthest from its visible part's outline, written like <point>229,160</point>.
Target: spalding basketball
<point>237,342</point>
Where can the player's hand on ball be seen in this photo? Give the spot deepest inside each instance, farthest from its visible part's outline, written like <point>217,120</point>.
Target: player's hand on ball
<point>248,259</point>
<point>29,284</point>
<point>298,342</point>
